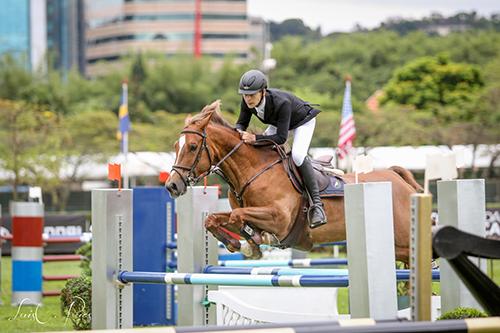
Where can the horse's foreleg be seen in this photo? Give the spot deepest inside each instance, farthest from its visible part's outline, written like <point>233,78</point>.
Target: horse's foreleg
<point>247,220</point>
<point>213,223</point>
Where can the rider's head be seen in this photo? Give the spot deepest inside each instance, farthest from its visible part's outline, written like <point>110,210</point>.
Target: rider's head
<point>252,86</point>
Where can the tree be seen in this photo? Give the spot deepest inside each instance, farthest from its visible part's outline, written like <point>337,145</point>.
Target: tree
<point>293,27</point>
<point>432,83</point>
<point>15,80</point>
<point>28,142</point>
<point>90,137</point>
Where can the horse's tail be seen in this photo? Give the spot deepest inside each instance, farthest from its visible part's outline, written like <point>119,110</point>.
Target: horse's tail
<point>407,177</point>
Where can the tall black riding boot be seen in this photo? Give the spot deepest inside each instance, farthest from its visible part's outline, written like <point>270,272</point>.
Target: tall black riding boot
<point>317,216</point>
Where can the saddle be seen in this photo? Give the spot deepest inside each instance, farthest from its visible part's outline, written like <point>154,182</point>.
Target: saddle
<point>330,182</point>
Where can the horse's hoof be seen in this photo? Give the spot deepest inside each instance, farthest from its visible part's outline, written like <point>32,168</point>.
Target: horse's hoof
<point>257,255</point>
<point>269,239</point>
<point>246,249</point>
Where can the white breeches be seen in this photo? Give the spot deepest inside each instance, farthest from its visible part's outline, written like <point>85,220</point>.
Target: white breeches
<point>302,137</point>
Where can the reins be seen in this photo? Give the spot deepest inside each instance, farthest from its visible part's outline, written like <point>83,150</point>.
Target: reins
<point>191,178</point>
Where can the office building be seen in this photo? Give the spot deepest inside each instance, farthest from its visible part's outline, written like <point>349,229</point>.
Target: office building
<point>23,32</point>
<point>66,34</point>
<point>116,28</point>
<point>42,32</point>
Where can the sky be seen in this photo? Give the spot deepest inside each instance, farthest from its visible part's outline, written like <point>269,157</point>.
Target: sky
<point>342,15</point>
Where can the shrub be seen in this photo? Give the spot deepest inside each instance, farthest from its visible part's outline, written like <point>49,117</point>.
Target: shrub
<point>463,313</point>
<point>86,251</point>
<point>76,302</point>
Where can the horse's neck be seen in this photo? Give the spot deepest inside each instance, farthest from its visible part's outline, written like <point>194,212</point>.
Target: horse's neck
<point>241,165</point>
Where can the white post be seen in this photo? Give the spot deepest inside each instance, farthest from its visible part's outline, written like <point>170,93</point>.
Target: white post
<point>112,233</point>
<point>461,203</point>
<point>370,250</point>
<point>196,249</point>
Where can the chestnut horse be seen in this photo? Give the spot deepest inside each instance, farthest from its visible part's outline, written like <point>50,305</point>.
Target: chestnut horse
<point>262,195</point>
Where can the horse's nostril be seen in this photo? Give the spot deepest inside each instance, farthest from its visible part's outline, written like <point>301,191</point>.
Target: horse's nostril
<point>171,188</point>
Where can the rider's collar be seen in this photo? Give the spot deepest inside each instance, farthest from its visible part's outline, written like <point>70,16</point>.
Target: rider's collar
<point>260,108</point>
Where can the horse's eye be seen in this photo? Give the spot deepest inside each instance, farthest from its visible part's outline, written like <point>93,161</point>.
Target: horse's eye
<point>192,147</point>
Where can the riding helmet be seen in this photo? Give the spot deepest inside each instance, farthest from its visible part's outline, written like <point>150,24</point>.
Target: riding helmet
<point>252,81</point>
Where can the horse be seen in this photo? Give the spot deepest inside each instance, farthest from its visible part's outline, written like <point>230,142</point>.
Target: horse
<point>264,202</point>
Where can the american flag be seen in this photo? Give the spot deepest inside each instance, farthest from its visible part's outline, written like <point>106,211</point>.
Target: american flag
<point>347,127</point>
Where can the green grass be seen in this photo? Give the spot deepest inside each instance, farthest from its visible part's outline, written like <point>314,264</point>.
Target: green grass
<point>49,314</point>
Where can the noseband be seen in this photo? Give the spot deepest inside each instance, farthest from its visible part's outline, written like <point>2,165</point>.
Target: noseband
<point>191,179</point>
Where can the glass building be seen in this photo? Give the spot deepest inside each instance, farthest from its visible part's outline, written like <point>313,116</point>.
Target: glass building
<point>202,27</point>
<point>66,34</point>
<point>22,27</point>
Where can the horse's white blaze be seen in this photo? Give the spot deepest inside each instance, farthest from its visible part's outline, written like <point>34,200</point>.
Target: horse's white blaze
<point>182,142</point>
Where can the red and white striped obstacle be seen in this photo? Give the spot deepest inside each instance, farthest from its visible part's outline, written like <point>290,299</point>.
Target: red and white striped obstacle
<point>27,252</point>
<point>28,242</point>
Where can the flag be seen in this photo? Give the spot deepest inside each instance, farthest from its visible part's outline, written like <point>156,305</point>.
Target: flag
<point>347,127</point>
<point>114,173</point>
<point>124,120</point>
<point>163,177</point>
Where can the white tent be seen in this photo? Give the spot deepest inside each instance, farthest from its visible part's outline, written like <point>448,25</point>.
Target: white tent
<point>413,158</point>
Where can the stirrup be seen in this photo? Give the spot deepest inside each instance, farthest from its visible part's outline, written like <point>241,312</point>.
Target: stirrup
<point>316,224</point>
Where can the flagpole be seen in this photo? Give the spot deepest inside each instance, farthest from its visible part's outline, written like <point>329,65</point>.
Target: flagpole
<point>125,160</point>
<point>124,129</point>
<point>347,131</point>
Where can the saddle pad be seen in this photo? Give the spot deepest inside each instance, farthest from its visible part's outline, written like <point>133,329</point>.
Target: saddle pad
<point>335,188</point>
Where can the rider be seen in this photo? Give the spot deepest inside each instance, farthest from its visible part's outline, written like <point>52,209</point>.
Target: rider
<point>282,111</point>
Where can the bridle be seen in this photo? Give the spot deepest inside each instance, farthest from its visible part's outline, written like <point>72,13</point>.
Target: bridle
<point>191,179</point>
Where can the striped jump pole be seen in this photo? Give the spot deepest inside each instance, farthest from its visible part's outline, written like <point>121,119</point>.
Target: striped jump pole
<point>246,280</point>
<point>297,263</point>
<point>27,252</point>
<point>401,274</point>
<point>365,325</point>
<point>233,280</point>
<point>62,257</point>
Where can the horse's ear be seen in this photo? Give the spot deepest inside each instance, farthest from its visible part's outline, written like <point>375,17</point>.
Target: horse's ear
<point>207,112</point>
<point>187,120</point>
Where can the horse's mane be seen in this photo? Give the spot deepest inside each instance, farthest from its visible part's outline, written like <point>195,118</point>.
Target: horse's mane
<point>217,117</point>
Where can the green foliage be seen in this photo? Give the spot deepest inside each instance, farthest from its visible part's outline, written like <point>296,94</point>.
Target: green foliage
<point>463,313</point>
<point>27,133</point>
<point>430,82</point>
<point>15,80</point>
<point>86,251</point>
<point>456,22</point>
<point>76,296</point>
<point>293,27</point>
<point>76,302</point>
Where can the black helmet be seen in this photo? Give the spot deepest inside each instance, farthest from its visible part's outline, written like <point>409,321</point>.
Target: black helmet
<point>252,81</point>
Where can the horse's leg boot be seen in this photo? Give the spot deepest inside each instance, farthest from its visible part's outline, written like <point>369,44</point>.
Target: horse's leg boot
<point>317,216</point>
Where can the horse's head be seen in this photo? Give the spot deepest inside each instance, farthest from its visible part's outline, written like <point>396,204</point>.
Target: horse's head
<point>193,159</point>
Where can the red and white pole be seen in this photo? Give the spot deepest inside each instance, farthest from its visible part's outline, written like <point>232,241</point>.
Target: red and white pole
<point>27,252</point>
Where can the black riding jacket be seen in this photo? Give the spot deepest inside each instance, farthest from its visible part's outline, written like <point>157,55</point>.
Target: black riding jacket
<point>282,110</point>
